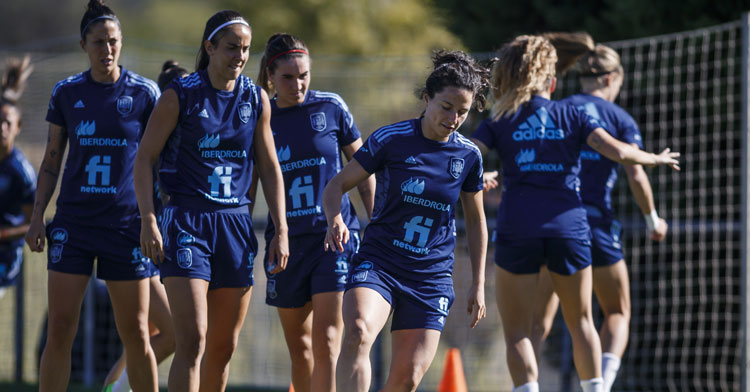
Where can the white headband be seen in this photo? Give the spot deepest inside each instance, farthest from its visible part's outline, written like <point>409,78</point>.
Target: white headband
<point>231,22</point>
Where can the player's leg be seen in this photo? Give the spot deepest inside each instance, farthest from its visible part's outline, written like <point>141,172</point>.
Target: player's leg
<point>412,353</point>
<point>516,318</point>
<point>575,300</point>
<point>365,312</point>
<point>158,313</point>
<point>227,308</point>
<point>298,324</point>
<point>130,303</point>
<point>188,304</point>
<point>160,330</point>
<point>327,330</point>
<point>64,295</point>
<point>612,288</point>
<point>546,303</point>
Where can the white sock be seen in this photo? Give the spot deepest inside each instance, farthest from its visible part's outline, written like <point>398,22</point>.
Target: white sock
<point>528,387</point>
<point>610,366</point>
<point>592,385</point>
<point>122,384</point>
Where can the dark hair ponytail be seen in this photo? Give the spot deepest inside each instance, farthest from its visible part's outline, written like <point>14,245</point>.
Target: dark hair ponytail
<point>96,12</point>
<point>457,69</point>
<point>280,46</point>
<point>218,19</point>
<point>169,71</point>
<point>13,82</point>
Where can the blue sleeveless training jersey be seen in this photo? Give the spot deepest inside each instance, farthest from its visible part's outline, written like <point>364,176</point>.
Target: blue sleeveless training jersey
<point>104,124</point>
<point>599,174</point>
<point>209,155</point>
<point>413,228</point>
<point>17,186</point>
<point>539,146</point>
<point>309,138</point>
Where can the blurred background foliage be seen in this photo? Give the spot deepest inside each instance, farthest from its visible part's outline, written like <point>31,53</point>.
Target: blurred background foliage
<point>369,27</point>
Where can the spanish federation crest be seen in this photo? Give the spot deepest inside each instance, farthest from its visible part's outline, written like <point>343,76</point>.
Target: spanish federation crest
<point>318,121</point>
<point>456,167</point>
<point>245,111</point>
<point>125,104</point>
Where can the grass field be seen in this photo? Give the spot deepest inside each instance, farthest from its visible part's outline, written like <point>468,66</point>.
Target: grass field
<point>79,388</point>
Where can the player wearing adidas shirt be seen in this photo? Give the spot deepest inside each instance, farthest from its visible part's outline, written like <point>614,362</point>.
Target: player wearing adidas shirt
<point>100,114</point>
<point>209,127</point>
<point>17,177</point>
<point>601,77</point>
<point>405,264</point>
<point>541,219</point>
<point>311,129</point>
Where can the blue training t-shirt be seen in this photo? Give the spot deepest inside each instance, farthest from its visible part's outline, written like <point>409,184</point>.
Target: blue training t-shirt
<point>539,146</point>
<point>599,174</point>
<point>17,187</point>
<point>413,227</point>
<point>309,138</point>
<point>209,155</point>
<point>104,124</point>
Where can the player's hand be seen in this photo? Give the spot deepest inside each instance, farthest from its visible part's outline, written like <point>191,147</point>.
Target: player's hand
<point>669,158</point>
<point>476,307</point>
<point>35,236</point>
<point>337,235</point>
<point>489,179</point>
<point>660,231</point>
<point>151,241</point>
<point>279,250</point>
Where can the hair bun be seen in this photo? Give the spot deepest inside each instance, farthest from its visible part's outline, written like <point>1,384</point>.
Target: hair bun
<point>95,5</point>
<point>169,64</point>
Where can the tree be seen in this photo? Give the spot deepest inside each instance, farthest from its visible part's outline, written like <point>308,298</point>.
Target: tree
<point>484,25</point>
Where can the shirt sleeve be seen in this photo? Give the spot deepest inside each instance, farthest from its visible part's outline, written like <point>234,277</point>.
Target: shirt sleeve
<point>586,123</point>
<point>473,182</point>
<point>54,111</point>
<point>631,134</point>
<point>485,134</point>
<point>177,87</point>
<point>371,155</point>
<point>348,131</point>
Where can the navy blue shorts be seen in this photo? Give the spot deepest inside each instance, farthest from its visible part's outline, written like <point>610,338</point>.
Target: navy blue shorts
<point>564,256</point>
<point>11,258</point>
<point>72,249</point>
<point>309,270</point>
<point>415,304</point>
<point>606,248</point>
<point>216,246</point>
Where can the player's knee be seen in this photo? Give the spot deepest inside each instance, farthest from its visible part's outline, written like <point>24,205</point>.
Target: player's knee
<point>357,335</point>
<point>326,344</point>
<point>61,329</point>
<point>134,335</point>
<point>301,354</point>
<point>408,379</point>
<point>221,352</point>
<point>191,345</point>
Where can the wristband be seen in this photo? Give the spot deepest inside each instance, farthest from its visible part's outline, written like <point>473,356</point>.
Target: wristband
<point>652,220</point>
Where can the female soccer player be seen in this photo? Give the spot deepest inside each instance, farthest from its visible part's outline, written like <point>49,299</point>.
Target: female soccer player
<point>541,218</point>
<point>17,177</point>
<point>601,77</point>
<point>160,320</point>
<point>100,113</point>
<point>423,166</point>
<point>211,125</point>
<point>311,130</point>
